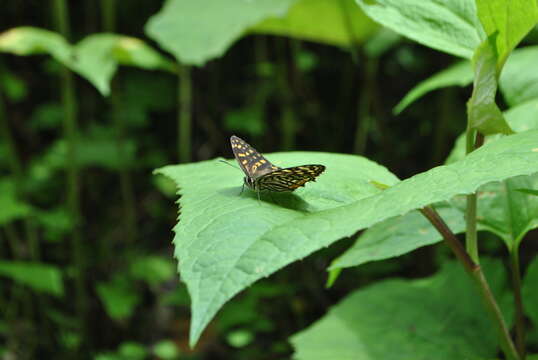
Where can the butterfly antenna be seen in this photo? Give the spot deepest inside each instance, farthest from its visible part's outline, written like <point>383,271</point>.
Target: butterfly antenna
<point>227,163</point>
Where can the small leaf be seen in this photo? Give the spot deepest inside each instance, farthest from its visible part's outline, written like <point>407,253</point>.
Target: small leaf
<point>509,20</point>
<point>118,297</point>
<point>40,277</point>
<point>440,317</point>
<point>220,256</point>
<point>450,26</point>
<point>12,208</point>
<point>460,74</point>
<point>33,41</point>
<point>239,338</point>
<point>166,350</point>
<point>152,269</point>
<point>483,113</point>
<point>99,55</point>
<point>132,351</point>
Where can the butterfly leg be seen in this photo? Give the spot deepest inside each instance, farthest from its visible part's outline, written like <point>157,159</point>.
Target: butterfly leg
<point>242,188</point>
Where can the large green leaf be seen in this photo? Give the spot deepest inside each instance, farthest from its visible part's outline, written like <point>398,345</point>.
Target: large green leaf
<point>339,22</point>
<point>509,21</point>
<point>197,31</point>
<point>40,277</point>
<point>519,79</point>
<point>437,318</point>
<point>225,242</point>
<point>508,215</point>
<point>450,26</point>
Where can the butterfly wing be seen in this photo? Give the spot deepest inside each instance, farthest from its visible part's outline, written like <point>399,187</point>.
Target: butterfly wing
<point>289,179</point>
<point>251,161</point>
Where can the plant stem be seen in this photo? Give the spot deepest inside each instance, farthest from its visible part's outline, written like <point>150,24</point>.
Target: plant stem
<point>70,131</point>
<point>471,242</point>
<point>288,122</point>
<point>16,168</point>
<point>184,113</point>
<point>364,117</point>
<point>520,317</point>
<point>108,15</point>
<point>108,12</point>
<point>475,271</point>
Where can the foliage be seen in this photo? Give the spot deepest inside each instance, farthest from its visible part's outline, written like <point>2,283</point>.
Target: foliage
<point>87,266</point>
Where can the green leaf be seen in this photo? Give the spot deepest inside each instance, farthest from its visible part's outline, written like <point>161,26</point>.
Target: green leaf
<point>509,21</point>
<point>450,26</point>
<point>132,351</point>
<point>501,209</point>
<point>118,297</point>
<point>166,350</point>
<point>521,118</point>
<point>506,212</point>
<point>197,31</point>
<point>340,22</point>
<point>152,269</point>
<point>33,41</point>
<point>97,146</point>
<point>398,236</point>
<point>56,222</point>
<point>483,113</point>
<point>461,73</point>
<point>12,208</point>
<point>98,56</point>
<point>40,277</point>
<point>240,338</point>
<point>220,255</point>
<point>439,318</point>
<point>519,79</point>
<point>382,41</point>
<point>530,292</point>
<point>95,58</point>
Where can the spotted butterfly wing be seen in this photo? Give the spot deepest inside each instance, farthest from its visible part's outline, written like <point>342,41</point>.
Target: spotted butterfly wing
<point>289,179</point>
<point>251,161</point>
<point>261,174</point>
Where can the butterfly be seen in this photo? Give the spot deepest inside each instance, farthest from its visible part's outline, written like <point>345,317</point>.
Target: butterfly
<point>261,174</point>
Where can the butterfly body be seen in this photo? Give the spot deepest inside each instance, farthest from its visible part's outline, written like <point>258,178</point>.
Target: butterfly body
<point>261,174</point>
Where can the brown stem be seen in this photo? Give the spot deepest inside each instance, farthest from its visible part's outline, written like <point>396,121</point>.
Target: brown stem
<point>475,271</point>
